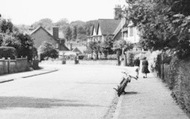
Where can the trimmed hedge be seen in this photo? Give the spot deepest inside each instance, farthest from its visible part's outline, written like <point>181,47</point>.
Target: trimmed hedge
<point>7,52</point>
<point>177,77</point>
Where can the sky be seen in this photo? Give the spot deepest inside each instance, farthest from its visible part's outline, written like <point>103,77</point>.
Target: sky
<point>29,11</point>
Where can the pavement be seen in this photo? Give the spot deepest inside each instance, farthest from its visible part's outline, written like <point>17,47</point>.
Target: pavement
<point>148,98</point>
<point>15,76</point>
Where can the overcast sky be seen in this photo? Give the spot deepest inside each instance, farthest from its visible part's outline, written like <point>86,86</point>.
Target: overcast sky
<point>30,11</point>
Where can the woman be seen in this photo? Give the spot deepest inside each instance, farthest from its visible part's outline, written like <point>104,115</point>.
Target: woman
<point>145,67</point>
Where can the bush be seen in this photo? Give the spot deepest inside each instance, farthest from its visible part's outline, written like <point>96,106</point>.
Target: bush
<point>177,78</point>
<point>8,52</point>
<point>47,50</point>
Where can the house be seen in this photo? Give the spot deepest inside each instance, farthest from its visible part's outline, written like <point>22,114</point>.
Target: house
<point>103,28</point>
<point>128,32</point>
<point>40,35</point>
<point>77,50</point>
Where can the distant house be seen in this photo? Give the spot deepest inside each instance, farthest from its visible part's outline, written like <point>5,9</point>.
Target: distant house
<point>127,31</point>
<point>103,28</point>
<point>77,50</point>
<point>41,34</point>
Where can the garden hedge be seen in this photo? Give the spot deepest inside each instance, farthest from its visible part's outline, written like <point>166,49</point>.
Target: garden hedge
<point>7,52</point>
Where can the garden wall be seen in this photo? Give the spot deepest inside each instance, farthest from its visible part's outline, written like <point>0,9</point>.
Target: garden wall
<point>13,66</point>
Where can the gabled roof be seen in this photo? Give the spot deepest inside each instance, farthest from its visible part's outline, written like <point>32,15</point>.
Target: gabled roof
<point>77,50</point>
<point>94,27</point>
<point>108,26</point>
<point>121,25</point>
<point>40,27</point>
<point>60,41</point>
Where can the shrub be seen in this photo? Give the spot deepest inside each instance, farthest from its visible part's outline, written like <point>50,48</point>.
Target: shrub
<point>47,50</point>
<point>8,52</point>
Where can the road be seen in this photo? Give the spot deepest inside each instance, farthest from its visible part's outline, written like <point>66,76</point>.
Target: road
<point>73,92</point>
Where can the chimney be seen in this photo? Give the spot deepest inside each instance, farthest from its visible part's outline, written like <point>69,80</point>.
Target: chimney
<point>56,32</point>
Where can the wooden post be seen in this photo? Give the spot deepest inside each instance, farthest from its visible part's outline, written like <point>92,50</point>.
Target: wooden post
<point>8,65</point>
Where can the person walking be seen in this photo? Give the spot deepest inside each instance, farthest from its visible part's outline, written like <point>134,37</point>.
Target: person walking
<point>145,67</point>
<point>137,65</point>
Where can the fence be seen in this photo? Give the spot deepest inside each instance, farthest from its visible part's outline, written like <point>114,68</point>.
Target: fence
<point>12,66</point>
<point>162,67</point>
<point>176,75</point>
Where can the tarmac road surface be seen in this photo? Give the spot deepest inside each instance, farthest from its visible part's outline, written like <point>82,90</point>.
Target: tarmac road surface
<point>72,92</point>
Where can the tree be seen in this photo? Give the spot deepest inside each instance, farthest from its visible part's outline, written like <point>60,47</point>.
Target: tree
<point>26,45</point>
<point>81,33</point>
<point>6,26</point>
<point>1,39</point>
<point>94,47</point>
<point>163,24</point>
<point>23,44</point>
<point>62,22</point>
<point>106,45</point>
<point>8,52</point>
<point>47,50</point>
<point>88,27</point>
<point>74,33</point>
<point>68,33</point>
<point>46,23</point>
<point>12,42</point>
<point>119,44</point>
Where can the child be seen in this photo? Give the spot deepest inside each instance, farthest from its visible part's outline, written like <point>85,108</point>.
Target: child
<point>137,64</point>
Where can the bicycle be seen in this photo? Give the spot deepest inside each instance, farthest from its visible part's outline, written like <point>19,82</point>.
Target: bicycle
<point>125,80</point>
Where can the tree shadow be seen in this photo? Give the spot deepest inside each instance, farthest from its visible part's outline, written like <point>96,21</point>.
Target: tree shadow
<point>30,102</point>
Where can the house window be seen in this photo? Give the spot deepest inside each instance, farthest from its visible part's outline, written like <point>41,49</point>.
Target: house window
<point>131,31</point>
<point>125,36</point>
<point>57,45</point>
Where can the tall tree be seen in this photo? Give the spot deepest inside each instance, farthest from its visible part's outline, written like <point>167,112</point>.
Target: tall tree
<point>163,24</point>
<point>74,33</point>
<point>46,23</point>
<point>107,45</point>
<point>6,26</point>
<point>81,33</point>
<point>68,33</point>
<point>62,22</point>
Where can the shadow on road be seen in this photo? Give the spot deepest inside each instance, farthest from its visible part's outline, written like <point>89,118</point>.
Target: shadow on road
<point>29,102</point>
<point>130,93</point>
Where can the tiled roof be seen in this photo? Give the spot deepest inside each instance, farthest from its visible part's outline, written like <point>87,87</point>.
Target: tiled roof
<point>95,26</point>
<point>40,27</point>
<point>59,41</point>
<point>108,26</point>
<point>77,50</point>
<point>121,25</point>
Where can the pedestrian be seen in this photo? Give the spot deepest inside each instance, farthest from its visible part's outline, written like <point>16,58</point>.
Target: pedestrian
<point>137,65</point>
<point>145,67</point>
<point>76,59</point>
